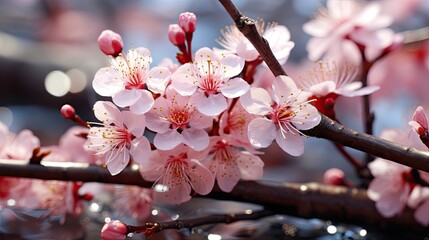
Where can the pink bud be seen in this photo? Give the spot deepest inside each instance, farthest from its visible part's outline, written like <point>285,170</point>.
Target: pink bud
<point>188,21</point>
<point>114,230</point>
<point>67,111</point>
<point>334,176</point>
<point>110,43</point>
<point>176,34</point>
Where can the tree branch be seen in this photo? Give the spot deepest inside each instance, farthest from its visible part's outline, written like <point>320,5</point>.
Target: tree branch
<point>311,200</point>
<point>328,128</point>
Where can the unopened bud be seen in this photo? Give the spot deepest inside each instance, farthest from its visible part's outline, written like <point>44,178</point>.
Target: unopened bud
<point>114,230</point>
<point>334,176</point>
<point>110,43</point>
<point>67,111</point>
<point>176,35</point>
<point>188,22</point>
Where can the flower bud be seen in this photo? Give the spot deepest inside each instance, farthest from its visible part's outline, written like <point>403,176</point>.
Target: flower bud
<point>176,34</point>
<point>67,111</point>
<point>110,43</point>
<point>188,22</point>
<point>333,176</point>
<point>114,230</point>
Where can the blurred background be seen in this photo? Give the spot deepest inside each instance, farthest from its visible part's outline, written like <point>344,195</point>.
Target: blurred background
<point>49,55</point>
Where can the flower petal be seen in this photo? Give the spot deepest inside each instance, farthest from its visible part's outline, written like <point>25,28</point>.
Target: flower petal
<point>140,150</point>
<point>212,105</point>
<point>126,97</point>
<point>143,104</point>
<point>107,113</point>
<point>117,163</point>
<point>261,132</point>
<point>157,79</point>
<point>235,87</point>
<point>167,140</point>
<point>202,179</point>
<point>256,101</point>
<point>232,64</point>
<point>197,139</point>
<point>290,143</point>
<point>106,82</point>
<point>251,166</point>
<point>184,81</point>
<point>134,123</point>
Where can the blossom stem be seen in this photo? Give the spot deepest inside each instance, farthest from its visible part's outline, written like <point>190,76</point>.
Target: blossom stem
<point>189,44</point>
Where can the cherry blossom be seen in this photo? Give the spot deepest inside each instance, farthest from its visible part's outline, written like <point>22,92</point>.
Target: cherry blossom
<point>208,80</point>
<point>176,120</point>
<point>393,183</point>
<point>325,81</point>
<point>129,81</point>
<point>176,172</point>
<point>278,37</point>
<point>283,113</point>
<point>188,22</point>
<point>133,201</point>
<point>419,123</point>
<point>17,146</point>
<point>344,20</point>
<point>228,164</point>
<point>120,137</point>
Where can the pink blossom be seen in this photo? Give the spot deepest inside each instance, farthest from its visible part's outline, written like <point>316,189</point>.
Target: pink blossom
<point>176,172</point>
<point>119,138</point>
<point>110,43</point>
<point>348,19</point>
<point>278,37</point>
<point>114,230</point>
<point>228,164</point>
<point>233,126</point>
<point>188,22</point>
<point>283,113</point>
<point>133,201</point>
<point>420,125</point>
<point>419,200</point>
<point>176,35</point>
<point>325,78</point>
<point>208,81</point>
<point>17,146</point>
<point>176,120</point>
<point>393,183</point>
<point>129,81</point>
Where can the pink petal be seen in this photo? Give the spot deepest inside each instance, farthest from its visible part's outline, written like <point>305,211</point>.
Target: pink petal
<point>107,113</point>
<point>360,92</point>
<point>341,9</point>
<point>212,105</point>
<point>261,132</point>
<point>178,190</point>
<point>316,47</point>
<point>167,140</point>
<point>233,65</point>
<point>140,150</point>
<point>105,82</point>
<point>256,101</point>
<point>155,123</point>
<point>126,98</point>
<point>251,166</point>
<point>420,117</point>
<point>201,121</point>
<point>368,15</point>
<point>235,87</point>
<point>197,139</point>
<point>202,179</point>
<point>246,50</point>
<point>390,204</point>
<point>422,213</point>
<point>283,87</point>
<point>139,59</point>
<point>183,80</point>
<point>323,88</point>
<point>157,79</point>
<point>307,117</point>
<point>227,176</point>
<point>116,164</point>
<point>317,28</point>
<point>143,104</point>
<point>135,123</point>
<point>291,143</point>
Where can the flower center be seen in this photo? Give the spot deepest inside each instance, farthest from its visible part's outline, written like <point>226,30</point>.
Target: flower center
<point>179,117</point>
<point>211,81</point>
<point>225,152</point>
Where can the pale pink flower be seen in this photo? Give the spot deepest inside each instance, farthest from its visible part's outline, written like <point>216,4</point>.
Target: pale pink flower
<point>325,78</point>
<point>176,172</point>
<point>420,125</point>
<point>393,183</point>
<point>18,146</point>
<point>119,138</point>
<point>419,200</point>
<point>114,230</point>
<point>278,37</point>
<point>233,126</point>
<point>284,112</point>
<point>176,120</point>
<point>208,80</point>
<point>59,198</point>
<point>168,63</point>
<point>229,164</point>
<point>110,43</point>
<point>129,81</point>
<point>133,201</point>
<point>344,20</point>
